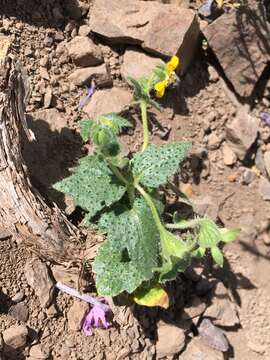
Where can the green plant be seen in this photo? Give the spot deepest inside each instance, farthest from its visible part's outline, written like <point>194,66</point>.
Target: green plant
<point>120,197</point>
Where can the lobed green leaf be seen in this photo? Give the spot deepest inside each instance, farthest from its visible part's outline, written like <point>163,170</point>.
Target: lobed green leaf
<point>130,254</point>
<point>93,186</point>
<point>156,164</point>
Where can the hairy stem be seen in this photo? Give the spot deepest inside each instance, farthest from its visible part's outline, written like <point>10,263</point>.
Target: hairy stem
<point>143,107</point>
<point>120,176</point>
<point>183,225</point>
<point>118,173</point>
<point>153,209</point>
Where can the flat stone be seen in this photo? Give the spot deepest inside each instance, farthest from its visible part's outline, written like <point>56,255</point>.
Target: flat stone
<point>84,52</point>
<point>18,297</point>
<point>39,352</point>
<point>142,23</point>
<point>264,188</point>
<point>83,76</point>
<point>137,64</point>
<point>241,41</point>
<point>37,276</point>
<point>197,350</point>
<point>76,314</point>
<point>15,337</point>
<point>241,133</point>
<point>248,177</point>
<point>171,340</point>
<point>107,101</point>
<point>19,312</point>
<point>213,142</point>
<point>213,336</point>
<point>229,157</point>
<point>222,310</point>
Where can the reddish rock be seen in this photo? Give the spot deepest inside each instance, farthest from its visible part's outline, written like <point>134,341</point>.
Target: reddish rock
<point>99,73</point>
<point>241,133</point>
<point>162,29</point>
<point>15,337</point>
<point>241,41</point>
<point>107,101</point>
<point>137,64</point>
<point>84,52</point>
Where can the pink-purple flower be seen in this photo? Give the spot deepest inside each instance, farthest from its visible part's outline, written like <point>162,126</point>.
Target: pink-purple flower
<point>265,117</point>
<point>90,92</point>
<point>95,318</point>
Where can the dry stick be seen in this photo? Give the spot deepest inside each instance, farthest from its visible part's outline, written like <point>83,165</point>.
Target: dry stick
<point>23,213</point>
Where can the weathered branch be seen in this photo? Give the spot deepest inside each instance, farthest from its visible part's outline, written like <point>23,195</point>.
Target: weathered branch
<point>23,213</point>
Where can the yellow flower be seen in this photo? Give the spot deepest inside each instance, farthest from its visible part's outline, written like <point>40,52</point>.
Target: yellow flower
<point>170,68</point>
<point>172,64</point>
<point>160,88</point>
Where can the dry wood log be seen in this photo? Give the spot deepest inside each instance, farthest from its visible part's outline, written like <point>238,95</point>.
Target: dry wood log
<point>23,213</point>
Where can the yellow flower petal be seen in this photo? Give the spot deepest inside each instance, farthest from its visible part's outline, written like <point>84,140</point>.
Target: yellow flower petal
<point>160,88</point>
<point>172,64</point>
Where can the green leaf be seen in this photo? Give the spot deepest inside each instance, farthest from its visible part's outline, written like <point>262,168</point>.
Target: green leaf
<point>86,127</point>
<point>217,256</point>
<point>156,164</point>
<point>200,252</point>
<point>153,296</point>
<point>114,121</point>
<point>93,186</point>
<point>160,72</point>
<point>141,88</point>
<point>130,254</point>
<point>175,255</point>
<point>228,235</point>
<point>209,234</point>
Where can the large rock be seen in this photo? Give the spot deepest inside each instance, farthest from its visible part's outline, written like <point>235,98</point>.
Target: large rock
<point>37,276</point>
<point>137,64</point>
<point>163,29</point>
<point>197,350</point>
<point>15,337</point>
<point>107,101</point>
<point>241,133</point>
<point>171,340</point>
<point>83,76</point>
<point>84,52</point>
<point>222,310</point>
<point>241,41</point>
<point>213,336</point>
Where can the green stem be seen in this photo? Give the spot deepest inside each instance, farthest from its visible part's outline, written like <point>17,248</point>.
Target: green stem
<point>153,209</point>
<point>117,173</point>
<point>184,224</point>
<point>143,107</point>
<point>120,176</point>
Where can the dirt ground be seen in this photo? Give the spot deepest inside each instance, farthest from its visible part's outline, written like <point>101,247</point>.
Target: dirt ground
<point>200,106</point>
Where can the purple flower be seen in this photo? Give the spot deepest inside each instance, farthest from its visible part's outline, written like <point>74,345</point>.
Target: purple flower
<point>90,92</point>
<point>265,117</point>
<point>95,318</point>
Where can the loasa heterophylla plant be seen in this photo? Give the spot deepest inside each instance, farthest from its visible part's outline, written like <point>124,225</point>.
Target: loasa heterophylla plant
<point>120,196</point>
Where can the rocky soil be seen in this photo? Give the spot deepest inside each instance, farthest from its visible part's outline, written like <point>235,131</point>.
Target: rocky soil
<point>221,104</point>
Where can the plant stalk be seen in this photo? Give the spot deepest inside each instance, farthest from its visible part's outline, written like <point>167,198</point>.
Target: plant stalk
<point>143,107</point>
<point>153,209</point>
